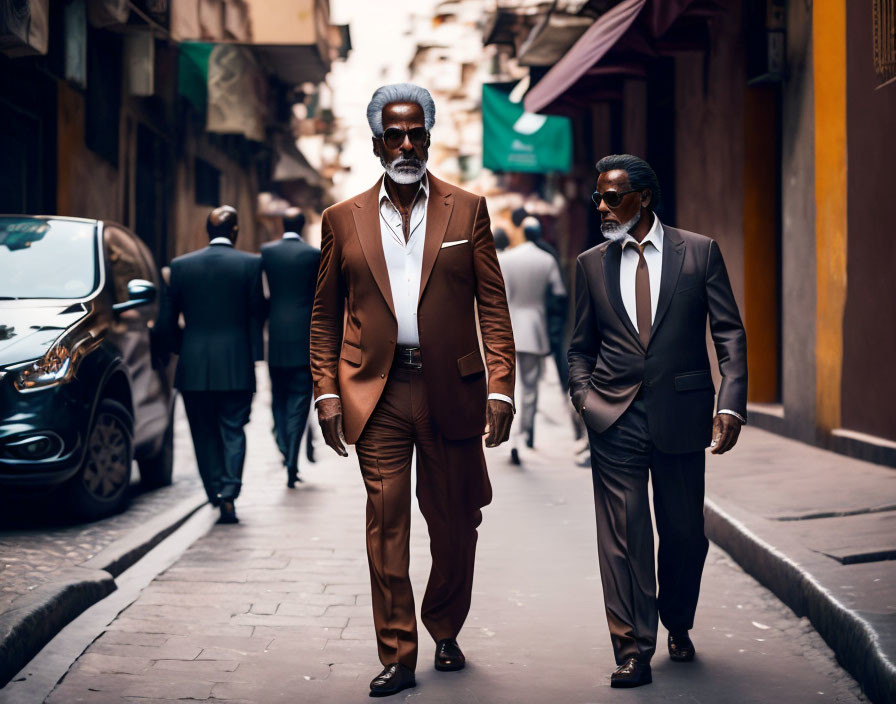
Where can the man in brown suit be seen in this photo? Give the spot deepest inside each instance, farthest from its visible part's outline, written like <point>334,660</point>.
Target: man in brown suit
<point>395,359</point>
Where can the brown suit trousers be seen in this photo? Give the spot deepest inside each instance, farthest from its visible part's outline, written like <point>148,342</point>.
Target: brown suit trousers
<point>449,491</point>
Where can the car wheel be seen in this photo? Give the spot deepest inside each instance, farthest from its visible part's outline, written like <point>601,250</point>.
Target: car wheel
<point>157,471</point>
<point>98,489</point>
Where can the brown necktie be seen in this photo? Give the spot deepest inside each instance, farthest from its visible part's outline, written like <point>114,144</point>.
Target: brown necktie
<point>642,296</point>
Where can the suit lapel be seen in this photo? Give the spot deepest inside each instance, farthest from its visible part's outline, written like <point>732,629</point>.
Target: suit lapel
<point>438,213</point>
<point>673,257</point>
<point>611,258</point>
<point>367,224</point>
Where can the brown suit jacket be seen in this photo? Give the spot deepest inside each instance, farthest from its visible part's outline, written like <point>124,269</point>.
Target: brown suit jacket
<point>353,324</point>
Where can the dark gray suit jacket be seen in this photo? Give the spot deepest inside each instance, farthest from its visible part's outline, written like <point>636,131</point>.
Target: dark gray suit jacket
<point>608,363</point>
<point>291,268</point>
<point>218,290</point>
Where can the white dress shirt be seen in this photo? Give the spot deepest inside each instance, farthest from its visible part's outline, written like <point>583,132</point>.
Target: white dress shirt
<point>221,240</point>
<point>404,261</point>
<point>628,266</point>
<point>291,236</point>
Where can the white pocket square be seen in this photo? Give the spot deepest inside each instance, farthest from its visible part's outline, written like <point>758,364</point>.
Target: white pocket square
<point>453,243</point>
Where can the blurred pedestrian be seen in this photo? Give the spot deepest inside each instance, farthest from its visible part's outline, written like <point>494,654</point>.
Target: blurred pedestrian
<point>524,221</point>
<point>290,267</point>
<point>640,375</point>
<point>218,291</point>
<point>406,269</point>
<point>557,312</point>
<point>530,274</point>
<point>501,239</point>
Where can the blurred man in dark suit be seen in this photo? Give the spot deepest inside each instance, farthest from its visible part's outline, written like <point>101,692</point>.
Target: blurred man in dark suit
<point>218,292</point>
<point>290,266</point>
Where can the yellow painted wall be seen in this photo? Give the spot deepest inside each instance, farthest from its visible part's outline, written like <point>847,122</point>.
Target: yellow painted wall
<point>829,64</point>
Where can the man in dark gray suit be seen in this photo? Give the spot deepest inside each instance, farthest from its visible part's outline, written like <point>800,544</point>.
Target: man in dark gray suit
<point>290,266</point>
<point>218,292</point>
<point>639,374</point>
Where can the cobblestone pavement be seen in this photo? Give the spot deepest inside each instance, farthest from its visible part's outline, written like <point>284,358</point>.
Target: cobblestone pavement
<point>37,541</point>
<point>277,609</point>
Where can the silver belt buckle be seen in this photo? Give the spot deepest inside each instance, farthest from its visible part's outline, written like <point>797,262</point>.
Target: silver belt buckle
<point>409,359</point>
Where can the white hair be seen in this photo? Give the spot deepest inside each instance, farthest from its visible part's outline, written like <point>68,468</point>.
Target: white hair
<point>399,93</point>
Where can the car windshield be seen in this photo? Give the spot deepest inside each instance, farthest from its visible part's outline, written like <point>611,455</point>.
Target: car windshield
<point>47,258</point>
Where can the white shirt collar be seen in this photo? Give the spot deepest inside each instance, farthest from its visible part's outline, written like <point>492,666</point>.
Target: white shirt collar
<point>221,240</point>
<point>424,186</point>
<point>291,236</point>
<point>654,236</point>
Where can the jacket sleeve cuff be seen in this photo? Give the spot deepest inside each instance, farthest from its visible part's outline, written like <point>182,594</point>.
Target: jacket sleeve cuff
<point>502,397</point>
<point>729,412</point>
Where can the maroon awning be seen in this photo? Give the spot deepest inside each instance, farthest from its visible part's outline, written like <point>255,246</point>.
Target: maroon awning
<point>631,28</point>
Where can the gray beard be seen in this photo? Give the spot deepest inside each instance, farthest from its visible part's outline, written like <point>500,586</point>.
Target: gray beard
<point>404,171</point>
<point>615,232</point>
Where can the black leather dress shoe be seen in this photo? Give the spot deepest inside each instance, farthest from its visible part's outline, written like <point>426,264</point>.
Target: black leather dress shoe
<point>449,656</point>
<point>515,457</point>
<point>681,649</point>
<point>228,513</point>
<point>309,446</point>
<point>631,673</point>
<point>292,478</point>
<point>392,680</point>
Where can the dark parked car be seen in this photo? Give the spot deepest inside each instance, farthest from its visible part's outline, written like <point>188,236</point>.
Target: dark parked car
<point>79,396</point>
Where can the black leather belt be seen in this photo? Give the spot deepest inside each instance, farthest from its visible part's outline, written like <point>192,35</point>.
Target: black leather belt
<point>408,357</point>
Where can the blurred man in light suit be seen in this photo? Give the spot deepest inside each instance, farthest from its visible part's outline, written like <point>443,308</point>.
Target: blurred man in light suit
<point>530,274</point>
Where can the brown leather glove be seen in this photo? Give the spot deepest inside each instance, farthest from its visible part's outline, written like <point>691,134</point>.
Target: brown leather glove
<point>725,431</point>
<point>499,417</point>
<point>329,416</point>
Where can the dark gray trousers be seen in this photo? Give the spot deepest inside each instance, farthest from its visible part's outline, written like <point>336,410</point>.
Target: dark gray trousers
<point>290,404</point>
<point>622,457</point>
<point>217,419</point>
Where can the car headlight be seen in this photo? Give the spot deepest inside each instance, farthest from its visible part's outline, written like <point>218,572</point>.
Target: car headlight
<point>57,366</point>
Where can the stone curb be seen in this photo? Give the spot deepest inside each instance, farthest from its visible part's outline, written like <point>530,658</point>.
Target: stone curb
<point>35,618</point>
<point>851,637</point>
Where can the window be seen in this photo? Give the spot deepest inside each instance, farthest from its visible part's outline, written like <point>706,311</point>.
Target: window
<point>885,39</point>
<point>102,107</point>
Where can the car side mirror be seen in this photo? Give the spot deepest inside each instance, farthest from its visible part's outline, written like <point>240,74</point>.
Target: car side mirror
<point>140,293</point>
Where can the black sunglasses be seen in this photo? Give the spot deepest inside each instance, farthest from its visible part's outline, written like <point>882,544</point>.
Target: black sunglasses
<point>393,137</point>
<point>611,198</point>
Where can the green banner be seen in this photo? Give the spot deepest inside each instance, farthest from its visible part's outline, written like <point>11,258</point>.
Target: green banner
<point>514,140</point>
<point>192,72</point>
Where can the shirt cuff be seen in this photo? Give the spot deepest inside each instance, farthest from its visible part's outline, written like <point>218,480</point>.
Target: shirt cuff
<point>323,396</point>
<point>732,413</point>
<point>502,397</point>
